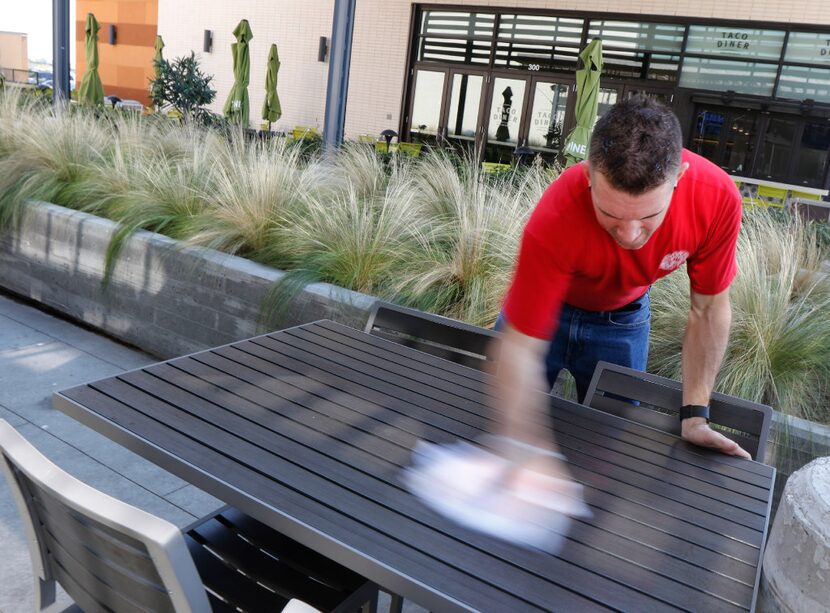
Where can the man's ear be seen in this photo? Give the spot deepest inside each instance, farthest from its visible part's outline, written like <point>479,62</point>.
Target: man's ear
<point>683,168</point>
<point>586,168</point>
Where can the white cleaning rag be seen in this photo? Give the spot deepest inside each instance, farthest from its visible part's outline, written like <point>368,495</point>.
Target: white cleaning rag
<point>495,495</point>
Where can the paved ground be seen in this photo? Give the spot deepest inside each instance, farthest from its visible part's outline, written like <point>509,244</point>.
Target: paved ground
<point>40,354</point>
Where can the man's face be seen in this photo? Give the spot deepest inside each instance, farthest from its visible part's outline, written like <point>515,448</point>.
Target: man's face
<point>630,220</point>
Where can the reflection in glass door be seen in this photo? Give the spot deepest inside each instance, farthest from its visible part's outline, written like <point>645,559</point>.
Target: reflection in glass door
<point>777,149</point>
<point>463,112</point>
<point>737,156</point>
<point>606,98</point>
<point>706,134</point>
<point>546,127</point>
<point>504,118</point>
<point>425,124</point>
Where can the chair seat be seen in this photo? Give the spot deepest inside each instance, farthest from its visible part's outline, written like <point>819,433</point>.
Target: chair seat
<point>270,568</point>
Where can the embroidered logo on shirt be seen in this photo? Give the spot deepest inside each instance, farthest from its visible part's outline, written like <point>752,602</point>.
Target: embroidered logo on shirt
<point>673,260</point>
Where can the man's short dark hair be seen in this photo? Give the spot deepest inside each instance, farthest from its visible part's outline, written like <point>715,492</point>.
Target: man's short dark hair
<point>636,145</point>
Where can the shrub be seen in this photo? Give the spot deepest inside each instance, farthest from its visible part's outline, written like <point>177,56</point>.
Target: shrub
<point>779,346</point>
<point>182,85</point>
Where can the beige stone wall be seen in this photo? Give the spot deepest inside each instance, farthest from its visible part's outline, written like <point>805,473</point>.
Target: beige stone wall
<point>294,26</point>
<point>381,33</point>
<point>14,51</point>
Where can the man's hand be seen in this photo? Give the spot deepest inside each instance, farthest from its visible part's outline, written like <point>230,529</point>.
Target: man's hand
<point>697,431</point>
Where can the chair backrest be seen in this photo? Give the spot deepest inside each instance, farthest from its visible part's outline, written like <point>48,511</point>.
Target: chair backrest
<point>368,139</point>
<point>494,167</point>
<point>804,195</point>
<point>612,386</point>
<point>304,132</point>
<point>443,337</point>
<point>106,554</point>
<point>772,196</point>
<point>380,147</point>
<point>410,149</point>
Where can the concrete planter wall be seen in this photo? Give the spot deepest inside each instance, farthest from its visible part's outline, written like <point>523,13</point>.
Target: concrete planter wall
<point>797,558</point>
<point>170,301</point>
<point>162,298</point>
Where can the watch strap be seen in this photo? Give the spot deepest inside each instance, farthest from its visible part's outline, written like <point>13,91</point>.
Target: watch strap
<point>694,410</point>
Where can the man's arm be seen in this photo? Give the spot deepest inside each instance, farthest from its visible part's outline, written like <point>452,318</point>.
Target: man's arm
<point>520,384</point>
<point>521,398</point>
<point>704,345</point>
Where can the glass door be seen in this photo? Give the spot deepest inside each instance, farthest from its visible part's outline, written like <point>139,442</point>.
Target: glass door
<point>606,98</point>
<point>504,117</point>
<point>546,130</point>
<point>664,95</point>
<point>427,105</point>
<point>726,137</point>
<point>463,113</point>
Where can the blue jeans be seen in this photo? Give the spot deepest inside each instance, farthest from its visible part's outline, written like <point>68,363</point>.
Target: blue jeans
<point>586,337</point>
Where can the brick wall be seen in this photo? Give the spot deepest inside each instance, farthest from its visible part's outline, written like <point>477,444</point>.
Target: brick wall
<point>295,27</point>
<point>127,66</point>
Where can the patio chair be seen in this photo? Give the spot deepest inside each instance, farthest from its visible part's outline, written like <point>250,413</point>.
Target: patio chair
<point>410,149</point>
<point>380,147</point>
<point>771,196</point>
<point>490,168</point>
<point>111,556</point>
<point>613,388</point>
<point>440,336</point>
<point>304,132</point>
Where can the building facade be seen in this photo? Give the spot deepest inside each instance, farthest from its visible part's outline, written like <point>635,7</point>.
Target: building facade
<point>14,55</point>
<point>749,79</point>
<point>295,27</point>
<point>125,45</point>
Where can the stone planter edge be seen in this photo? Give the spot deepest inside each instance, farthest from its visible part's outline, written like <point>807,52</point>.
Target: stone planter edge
<point>164,298</point>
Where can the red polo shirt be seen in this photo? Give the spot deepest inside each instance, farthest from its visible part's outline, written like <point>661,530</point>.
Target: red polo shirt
<point>567,257</point>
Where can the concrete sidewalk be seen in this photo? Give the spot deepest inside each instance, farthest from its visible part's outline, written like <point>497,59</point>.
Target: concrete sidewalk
<point>41,354</point>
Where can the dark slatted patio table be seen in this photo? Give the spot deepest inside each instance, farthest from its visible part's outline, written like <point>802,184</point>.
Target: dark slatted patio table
<point>307,430</point>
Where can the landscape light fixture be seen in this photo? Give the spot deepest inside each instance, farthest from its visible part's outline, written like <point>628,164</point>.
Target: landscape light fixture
<point>388,135</point>
<point>322,49</point>
<point>523,154</point>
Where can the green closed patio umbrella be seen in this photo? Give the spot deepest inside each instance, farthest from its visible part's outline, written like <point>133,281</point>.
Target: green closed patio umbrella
<point>271,108</point>
<point>587,91</point>
<point>237,106</point>
<point>91,92</point>
<point>158,57</point>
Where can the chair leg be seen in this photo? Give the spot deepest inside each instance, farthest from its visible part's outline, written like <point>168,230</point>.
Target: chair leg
<point>365,600</point>
<point>396,606</point>
<point>44,593</point>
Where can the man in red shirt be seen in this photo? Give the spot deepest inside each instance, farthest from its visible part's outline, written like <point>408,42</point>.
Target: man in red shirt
<point>601,234</point>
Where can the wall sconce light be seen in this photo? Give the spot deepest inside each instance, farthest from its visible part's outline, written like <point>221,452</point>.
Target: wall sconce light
<point>322,49</point>
<point>207,44</point>
<point>112,33</point>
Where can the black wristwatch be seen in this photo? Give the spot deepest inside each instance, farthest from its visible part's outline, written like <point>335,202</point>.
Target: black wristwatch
<point>694,410</point>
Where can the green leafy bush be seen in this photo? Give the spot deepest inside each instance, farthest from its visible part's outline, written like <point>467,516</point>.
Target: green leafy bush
<point>183,86</point>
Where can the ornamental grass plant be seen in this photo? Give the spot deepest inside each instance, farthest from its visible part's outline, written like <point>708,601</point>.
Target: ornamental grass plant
<point>431,232</point>
<point>779,346</point>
